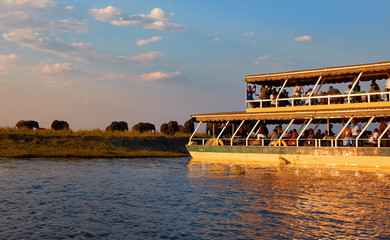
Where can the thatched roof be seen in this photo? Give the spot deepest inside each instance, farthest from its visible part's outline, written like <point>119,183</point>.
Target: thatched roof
<point>372,71</point>
<point>286,116</point>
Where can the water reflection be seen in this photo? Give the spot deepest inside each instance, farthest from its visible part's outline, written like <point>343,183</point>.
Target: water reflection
<point>285,202</point>
<point>174,199</point>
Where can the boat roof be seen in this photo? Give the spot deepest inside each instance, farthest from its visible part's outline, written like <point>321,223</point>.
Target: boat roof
<point>335,115</point>
<point>371,71</point>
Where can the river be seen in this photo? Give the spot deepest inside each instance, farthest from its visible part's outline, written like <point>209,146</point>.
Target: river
<point>182,199</point>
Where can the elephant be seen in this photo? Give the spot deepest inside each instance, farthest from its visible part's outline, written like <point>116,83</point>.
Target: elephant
<point>118,126</point>
<point>189,126</point>
<point>182,129</point>
<point>173,127</point>
<point>164,128</point>
<point>143,127</point>
<point>59,125</point>
<point>27,124</point>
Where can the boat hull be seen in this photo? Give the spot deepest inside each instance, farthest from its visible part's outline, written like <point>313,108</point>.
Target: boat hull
<point>327,156</point>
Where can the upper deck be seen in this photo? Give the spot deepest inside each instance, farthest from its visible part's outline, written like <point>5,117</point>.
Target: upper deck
<point>312,81</point>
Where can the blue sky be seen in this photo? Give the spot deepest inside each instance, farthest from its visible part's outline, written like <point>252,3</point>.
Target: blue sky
<point>93,62</point>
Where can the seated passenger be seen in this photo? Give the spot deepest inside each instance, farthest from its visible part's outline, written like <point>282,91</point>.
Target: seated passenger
<point>309,139</point>
<point>374,88</point>
<point>373,137</point>
<point>334,91</point>
<point>274,137</point>
<point>326,139</point>
<point>293,140</point>
<point>273,98</point>
<point>318,134</point>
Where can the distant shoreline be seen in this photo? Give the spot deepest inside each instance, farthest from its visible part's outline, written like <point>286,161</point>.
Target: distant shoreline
<point>88,144</point>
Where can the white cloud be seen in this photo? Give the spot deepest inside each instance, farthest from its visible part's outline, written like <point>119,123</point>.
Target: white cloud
<point>147,41</point>
<point>76,51</point>
<point>105,14</point>
<point>304,39</point>
<point>22,14</point>
<point>248,34</point>
<point>58,68</point>
<point>159,76</point>
<point>164,27</point>
<point>69,8</point>
<point>262,59</point>
<point>216,39</point>
<point>8,61</point>
<point>144,58</point>
<point>156,19</point>
<point>159,14</point>
<point>27,4</point>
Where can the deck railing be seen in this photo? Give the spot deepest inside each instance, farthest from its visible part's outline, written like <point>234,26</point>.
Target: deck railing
<point>321,99</point>
<point>288,142</point>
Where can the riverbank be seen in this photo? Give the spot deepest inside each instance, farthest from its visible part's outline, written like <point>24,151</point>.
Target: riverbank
<point>89,144</point>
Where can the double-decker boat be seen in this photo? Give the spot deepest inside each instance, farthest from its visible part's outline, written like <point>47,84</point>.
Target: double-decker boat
<point>355,105</point>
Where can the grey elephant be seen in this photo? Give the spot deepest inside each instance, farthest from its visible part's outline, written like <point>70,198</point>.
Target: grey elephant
<point>30,124</point>
<point>189,126</point>
<point>143,127</point>
<point>118,126</point>
<point>173,127</point>
<point>164,128</point>
<point>59,125</point>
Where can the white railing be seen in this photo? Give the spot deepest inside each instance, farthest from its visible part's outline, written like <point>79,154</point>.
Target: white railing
<point>321,99</point>
<point>312,142</point>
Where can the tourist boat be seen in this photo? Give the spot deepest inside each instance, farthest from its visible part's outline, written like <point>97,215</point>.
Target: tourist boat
<point>234,133</point>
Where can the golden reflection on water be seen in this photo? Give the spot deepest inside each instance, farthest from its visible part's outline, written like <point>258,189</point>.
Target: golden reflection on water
<point>303,202</point>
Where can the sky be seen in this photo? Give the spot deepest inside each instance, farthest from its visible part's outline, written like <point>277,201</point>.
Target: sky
<point>92,62</point>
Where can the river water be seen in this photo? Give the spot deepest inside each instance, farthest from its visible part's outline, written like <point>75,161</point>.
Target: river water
<point>182,199</point>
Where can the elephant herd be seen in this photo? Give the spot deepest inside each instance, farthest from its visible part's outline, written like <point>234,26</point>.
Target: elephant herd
<point>169,128</point>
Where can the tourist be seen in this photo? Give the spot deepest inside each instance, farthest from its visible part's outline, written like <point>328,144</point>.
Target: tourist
<point>374,88</point>
<point>264,95</point>
<point>274,137</point>
<point>387,88</point>
<point>249,96</point>
<point>326,138</point>
<point>293,140</point>
<point>374,136</point>
<point>347,137</point>
<point>285,95</point>
<point>297,92</point>
<point>273,98</point>
<point>318,134</point>
<point>334,91</point>
<point>307,100</point>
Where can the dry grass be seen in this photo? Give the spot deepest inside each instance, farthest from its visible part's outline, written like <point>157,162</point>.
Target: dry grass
<point>20,143</point>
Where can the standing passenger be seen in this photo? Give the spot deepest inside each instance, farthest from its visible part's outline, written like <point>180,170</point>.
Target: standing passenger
<point>264,95</point>
<point>298,91</point>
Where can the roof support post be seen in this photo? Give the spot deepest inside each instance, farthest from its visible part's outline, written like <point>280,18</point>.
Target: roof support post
<point>314,88</point>
<point>220,134</point>
<point>196,129</point>
<point>342,130</point>
<point>231,140</point>
<point>299,136</point>
<point>246,94</point>
<point>246,140</point>
<point>322,82</point>
<point>353,85</point>
<point>381,136</point>
<point>364,129</point>
<point>280,91</point>
<point>284,132</point>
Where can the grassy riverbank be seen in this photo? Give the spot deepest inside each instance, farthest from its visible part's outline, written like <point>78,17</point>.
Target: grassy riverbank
<point>16,143</point>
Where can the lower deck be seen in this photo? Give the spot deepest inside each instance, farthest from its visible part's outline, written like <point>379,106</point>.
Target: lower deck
<point>322,156</point>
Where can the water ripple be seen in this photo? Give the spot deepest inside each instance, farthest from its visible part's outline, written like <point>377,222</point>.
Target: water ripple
<point>174,199</point>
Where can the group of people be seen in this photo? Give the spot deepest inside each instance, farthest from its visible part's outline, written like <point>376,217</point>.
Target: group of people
<point>264,138</point>
<point>309,136</point>
<point>271,93</point>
